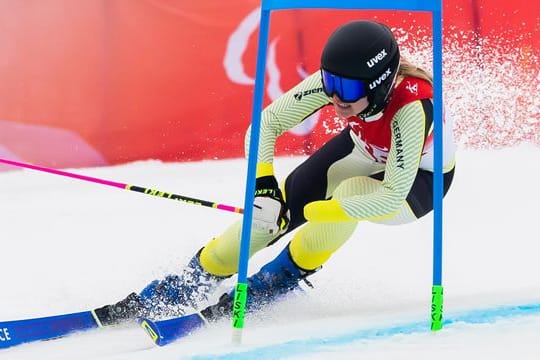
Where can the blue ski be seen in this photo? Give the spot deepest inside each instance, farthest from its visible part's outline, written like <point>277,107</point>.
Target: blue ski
<point>28,330</point>
<point>164,332</point>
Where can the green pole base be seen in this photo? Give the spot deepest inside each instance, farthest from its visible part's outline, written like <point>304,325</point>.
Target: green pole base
<point>436,307</point>
<point>239,305</point>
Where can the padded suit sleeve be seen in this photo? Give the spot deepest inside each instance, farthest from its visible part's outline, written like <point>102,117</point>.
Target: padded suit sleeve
<point>288,110</point>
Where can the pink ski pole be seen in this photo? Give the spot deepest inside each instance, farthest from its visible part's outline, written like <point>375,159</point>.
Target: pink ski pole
<point>119,185</point>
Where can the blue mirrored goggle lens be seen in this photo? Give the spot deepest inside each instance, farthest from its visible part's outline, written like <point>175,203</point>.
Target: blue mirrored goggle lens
<point>348,90</point>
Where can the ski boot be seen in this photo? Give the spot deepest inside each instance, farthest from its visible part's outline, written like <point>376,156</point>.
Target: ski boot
<point>169,297</point>
<point>124,311</point>
<point>270,283</point>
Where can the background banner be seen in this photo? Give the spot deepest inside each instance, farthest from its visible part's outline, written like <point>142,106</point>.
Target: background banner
<point>100,82</point>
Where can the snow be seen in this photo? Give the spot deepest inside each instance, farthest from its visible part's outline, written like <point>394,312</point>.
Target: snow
<point>69,245</point>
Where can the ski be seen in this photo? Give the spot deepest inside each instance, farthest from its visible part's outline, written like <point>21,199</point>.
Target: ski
<point>18,332</point>
<point>163,332</point>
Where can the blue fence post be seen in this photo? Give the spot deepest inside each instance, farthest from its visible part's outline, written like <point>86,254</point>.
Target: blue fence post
<point>433,6</point>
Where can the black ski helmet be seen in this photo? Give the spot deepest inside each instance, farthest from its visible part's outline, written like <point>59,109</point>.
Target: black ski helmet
<point>364,50</point>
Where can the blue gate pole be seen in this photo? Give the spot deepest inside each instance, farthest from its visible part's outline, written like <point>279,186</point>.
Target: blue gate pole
<point>437,288</point>
<point>240,294</point>
<point>267,6</point>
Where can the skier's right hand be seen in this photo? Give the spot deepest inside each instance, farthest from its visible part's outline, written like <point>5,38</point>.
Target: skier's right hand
<point>270,213</point>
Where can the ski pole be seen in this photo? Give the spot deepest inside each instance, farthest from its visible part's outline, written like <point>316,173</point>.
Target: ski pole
<point>119,185</point>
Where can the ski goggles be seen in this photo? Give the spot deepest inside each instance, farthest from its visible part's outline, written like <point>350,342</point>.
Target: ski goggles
<point>348,90</point>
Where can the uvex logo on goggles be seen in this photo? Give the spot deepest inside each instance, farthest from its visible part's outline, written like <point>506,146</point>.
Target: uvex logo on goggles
<point>348,90</point>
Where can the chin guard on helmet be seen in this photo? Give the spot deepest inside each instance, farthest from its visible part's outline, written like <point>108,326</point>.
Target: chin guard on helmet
<point>380,96</point>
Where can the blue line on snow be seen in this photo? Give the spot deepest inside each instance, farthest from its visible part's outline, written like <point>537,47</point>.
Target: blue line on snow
<point>298,347</point>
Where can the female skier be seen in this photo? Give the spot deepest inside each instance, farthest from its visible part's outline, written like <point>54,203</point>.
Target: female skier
<point>379,169</point>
